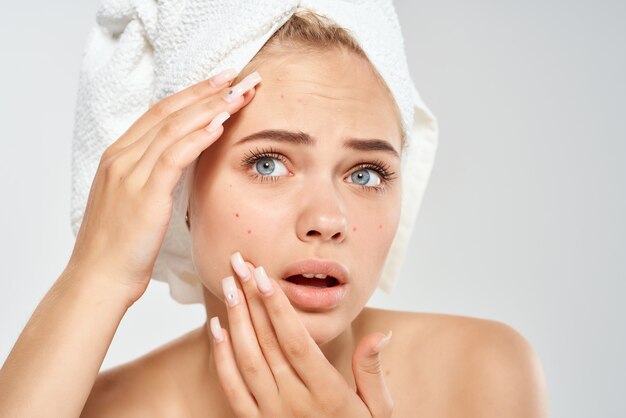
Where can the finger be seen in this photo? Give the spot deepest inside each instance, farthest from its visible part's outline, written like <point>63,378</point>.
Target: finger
<point>171,104</point>
<point>301,350</point>
<point>173,161</point>
<point>284,374</point>
<point>167,130</point>
<point>254,369</point>
<point>369,376</point>
<point>241,400</point>
<point>149,149</point>
<point>168,168</point>
<point>139,158</point>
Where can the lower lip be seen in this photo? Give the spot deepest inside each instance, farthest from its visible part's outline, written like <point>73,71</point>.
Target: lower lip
<point>314,297</point>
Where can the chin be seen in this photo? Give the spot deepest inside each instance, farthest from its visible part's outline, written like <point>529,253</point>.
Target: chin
<point>318,324</point>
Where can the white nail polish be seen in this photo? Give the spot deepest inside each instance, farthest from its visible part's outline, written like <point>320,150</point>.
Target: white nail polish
<point>224,76</point>
<point>263,282</point>
<point>240,88</point>
<point>382,343</point>
<point>217,121</point>
<point>216,329</point>
<point>230,291</point>
<point>240,266</point>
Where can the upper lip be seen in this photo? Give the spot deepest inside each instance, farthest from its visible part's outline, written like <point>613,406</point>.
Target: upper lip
<point>312,265</point>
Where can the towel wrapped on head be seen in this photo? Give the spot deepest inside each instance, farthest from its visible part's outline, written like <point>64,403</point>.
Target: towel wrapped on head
<point>141,51</point>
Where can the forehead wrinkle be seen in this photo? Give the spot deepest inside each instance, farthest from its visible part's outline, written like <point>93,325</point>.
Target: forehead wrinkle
<point>317,82</point>
<point>321,95</point>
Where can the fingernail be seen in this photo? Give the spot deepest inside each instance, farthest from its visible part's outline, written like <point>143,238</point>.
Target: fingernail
<point>223,77</point>
<point>240,266</point>
<point>382,343</point>
<point>262,281</point>
<point>240,88</point>
<point>230,291</point>
<point>216,330</point>
<point>217,121</point>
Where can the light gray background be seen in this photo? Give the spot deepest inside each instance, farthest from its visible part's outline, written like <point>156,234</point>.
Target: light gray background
<point>521,222</point>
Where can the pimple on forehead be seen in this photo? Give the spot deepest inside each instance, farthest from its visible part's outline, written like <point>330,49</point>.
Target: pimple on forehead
<point>237,214</point>
<point>298,99</point>
<point>249,231</point>
<point>354,228</point>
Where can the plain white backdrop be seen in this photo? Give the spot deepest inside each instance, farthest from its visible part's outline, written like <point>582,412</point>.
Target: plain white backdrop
<point>522,221</point>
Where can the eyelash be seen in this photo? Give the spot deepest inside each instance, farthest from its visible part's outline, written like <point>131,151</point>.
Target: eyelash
<point>380,167</point>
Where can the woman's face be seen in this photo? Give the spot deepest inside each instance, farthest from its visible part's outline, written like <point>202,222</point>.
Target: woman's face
<point>303,200</point>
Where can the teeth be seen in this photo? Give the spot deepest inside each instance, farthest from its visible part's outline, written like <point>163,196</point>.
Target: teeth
<point>318,276</point>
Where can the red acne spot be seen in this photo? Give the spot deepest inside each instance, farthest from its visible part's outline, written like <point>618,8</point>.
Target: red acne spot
<point>380,226</point>
<point>354,228</point>
<point>249,231</point>
<point>237,214</point>
<point>282,96</point>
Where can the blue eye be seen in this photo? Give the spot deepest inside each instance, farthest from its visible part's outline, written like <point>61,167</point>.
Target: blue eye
<point>363,176</point>
<point>266,166</point>
<point>369,176</point>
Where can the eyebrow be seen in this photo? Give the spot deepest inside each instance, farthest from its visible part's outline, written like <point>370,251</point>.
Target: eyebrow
<point>302,138</point>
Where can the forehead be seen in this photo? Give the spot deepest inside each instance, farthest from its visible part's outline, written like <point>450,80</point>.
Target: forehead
<point>330,94</point>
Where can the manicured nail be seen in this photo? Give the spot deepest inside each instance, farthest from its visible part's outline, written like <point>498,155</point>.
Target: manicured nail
<point>230,291</point>
<point>240,88</point>
<point>240,266</point>
<point>217,121</point>
<point>262,281</point>
<point>223,77</point>
<point>382,343</point>
<point>216,330</point>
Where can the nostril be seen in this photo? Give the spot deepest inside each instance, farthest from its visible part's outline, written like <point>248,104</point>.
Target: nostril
<point>326,235</point>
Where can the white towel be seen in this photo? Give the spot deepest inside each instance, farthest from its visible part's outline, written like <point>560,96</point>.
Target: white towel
<point>140,51</point>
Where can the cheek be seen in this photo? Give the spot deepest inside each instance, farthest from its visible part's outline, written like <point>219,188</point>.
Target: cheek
<point>228,219</point>
<point>374,227</point>
<point>372,232</point>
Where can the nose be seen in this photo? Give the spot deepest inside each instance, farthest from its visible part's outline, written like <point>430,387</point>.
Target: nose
<point>322,217</point>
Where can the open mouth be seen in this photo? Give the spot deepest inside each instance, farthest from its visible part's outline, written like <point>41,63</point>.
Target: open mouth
<point>328,281</point>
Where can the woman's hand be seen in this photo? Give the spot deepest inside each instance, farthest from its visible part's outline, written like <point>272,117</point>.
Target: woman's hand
<point>270,366</point>
<point>130,202</point>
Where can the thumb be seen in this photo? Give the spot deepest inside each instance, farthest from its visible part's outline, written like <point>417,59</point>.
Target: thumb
<point>368,374</point>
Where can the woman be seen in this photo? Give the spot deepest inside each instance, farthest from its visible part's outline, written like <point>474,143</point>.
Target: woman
<point>302,180</point>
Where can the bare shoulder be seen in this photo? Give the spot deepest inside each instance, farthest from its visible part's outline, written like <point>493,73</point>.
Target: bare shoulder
<point>501,372</point>
<point>459,365</point>
<point>135,389</point>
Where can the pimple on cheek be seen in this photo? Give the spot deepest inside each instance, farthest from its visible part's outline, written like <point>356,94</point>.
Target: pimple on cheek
<point>237,216</point>
<point>380,226</point>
